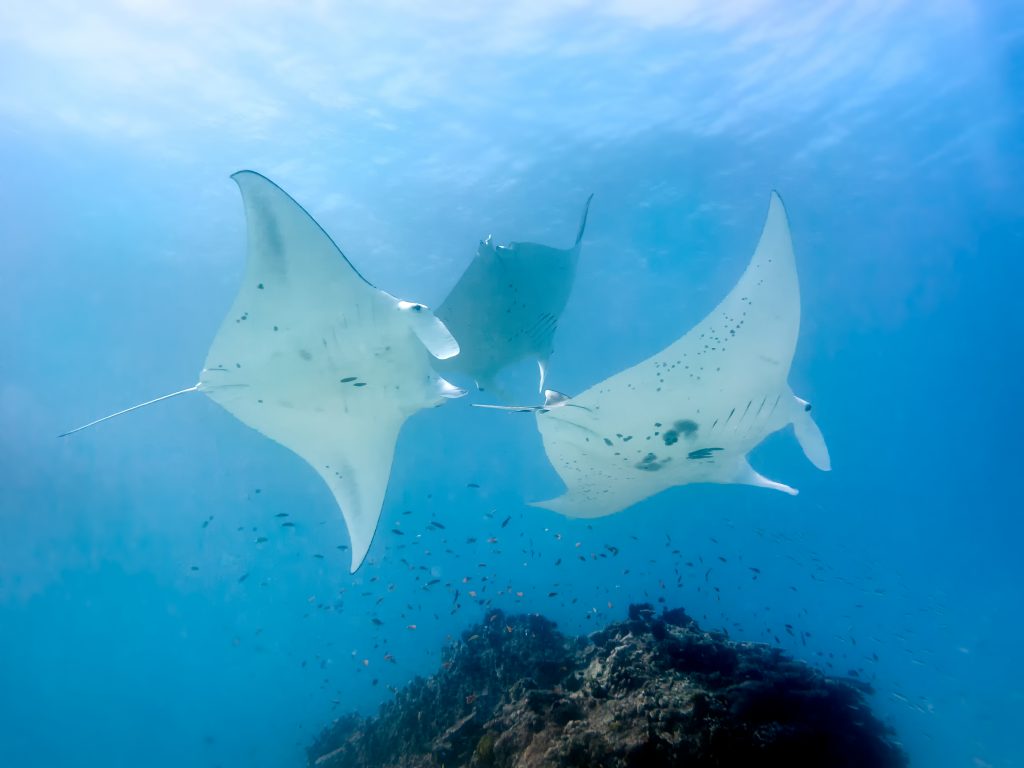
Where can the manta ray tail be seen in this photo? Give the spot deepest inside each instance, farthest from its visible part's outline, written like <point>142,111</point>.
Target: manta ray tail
<point>552,399</point>
<point>810,437</point>
<point>583,221</point>
<point>193,388</point>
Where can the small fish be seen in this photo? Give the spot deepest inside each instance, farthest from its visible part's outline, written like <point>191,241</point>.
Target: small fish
<point>287,525</point>
<point>261,539</point>
<point>281,514</point>
<point>410,626</point>
<point>243,577</point>
<point>397,532</point>
<point>376,621</point>
<point>472,485</point>
<point>506,521</point>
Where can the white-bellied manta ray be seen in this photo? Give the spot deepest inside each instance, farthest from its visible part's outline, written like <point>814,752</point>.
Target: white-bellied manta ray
<point>506,306</point>
<point>693,411</point>
<point>315,357</point>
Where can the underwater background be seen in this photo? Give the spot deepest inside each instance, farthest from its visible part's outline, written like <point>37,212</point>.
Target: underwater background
<point>893,130</point>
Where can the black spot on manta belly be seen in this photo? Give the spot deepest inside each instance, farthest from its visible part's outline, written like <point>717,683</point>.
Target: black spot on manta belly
<point>650,463</point>
<point>702,453</point>
<point>687,427</point>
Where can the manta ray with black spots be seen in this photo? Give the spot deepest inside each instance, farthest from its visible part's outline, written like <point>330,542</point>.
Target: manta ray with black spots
<point>692,412</point>
<point>315,357</point>
<point>507,304</point>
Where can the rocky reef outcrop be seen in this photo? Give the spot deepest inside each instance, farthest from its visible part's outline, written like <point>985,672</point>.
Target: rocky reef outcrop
<point>653,690</point>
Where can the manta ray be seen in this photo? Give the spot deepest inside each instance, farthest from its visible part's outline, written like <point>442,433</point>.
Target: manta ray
<point>507,304</point>
<point>316,358</point>
<point>692,412</point>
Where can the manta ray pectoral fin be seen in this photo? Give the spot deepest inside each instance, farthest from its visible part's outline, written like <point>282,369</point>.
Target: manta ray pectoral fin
<point>193,388</point>
<point>570,505</point>
<point>810,438</point>
<point>747,475</point>
<point>560,504</point>
<point>583,221</point>
<point>589,501</point>
<point>430,330</point>
<point>355,465</point>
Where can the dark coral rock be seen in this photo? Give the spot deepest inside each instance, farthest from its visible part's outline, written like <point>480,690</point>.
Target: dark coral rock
<point>650,691</point>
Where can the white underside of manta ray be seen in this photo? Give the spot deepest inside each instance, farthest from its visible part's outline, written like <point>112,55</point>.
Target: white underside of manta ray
<point>506,306</point>
<point>692,412</point>
<point>314,357</point>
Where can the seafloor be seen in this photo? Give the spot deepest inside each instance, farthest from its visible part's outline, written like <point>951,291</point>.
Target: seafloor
<point>649,691</point>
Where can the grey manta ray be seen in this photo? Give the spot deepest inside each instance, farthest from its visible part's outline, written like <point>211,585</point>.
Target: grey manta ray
<point>692,412</point>
<point>506,306</point>
<point>316,358</point>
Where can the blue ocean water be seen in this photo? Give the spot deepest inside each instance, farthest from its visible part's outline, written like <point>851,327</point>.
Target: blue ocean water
<point>894,132</point>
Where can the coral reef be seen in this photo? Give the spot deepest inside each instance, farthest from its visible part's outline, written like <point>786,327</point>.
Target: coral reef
<point>654,690</point>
